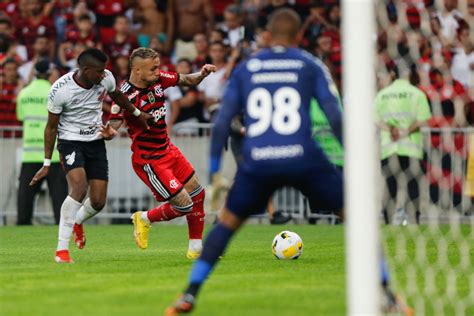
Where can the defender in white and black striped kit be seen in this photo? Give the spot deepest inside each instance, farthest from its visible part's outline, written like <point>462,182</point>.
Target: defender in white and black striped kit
<point>75,117</point>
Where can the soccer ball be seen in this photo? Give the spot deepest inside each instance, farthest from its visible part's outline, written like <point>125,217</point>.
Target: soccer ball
<point>287,245</point>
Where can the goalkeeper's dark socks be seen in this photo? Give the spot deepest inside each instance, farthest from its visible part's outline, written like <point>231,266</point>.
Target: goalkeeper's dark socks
<point>193,289</point>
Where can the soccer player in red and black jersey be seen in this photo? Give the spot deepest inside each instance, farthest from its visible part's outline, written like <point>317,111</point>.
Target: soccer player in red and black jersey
<point>155,159</point>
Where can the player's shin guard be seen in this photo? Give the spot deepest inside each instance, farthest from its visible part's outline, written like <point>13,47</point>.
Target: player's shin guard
<point>214,246</point>
<point>85,212</point>
<point>69,209</point>
<point>167,212</point>
<point>196,217</point>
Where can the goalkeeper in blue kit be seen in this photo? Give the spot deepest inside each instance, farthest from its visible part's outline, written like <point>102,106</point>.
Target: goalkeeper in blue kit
<point>273,89</point>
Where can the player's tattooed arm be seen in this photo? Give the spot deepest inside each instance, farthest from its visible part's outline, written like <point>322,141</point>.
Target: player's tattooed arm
<point>195,78</point>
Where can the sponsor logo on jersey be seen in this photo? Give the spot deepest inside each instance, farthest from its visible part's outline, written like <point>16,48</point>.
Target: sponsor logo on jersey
<point>88,131</point>
<point>277,152</point>
<point>159,91</point>
<point>173,184</point>
<point>71,158</point>
<point>158,113</point>
<point>254,65</point>
<point>151,97</point>
<point>167,75</point>
<point>58,85</point>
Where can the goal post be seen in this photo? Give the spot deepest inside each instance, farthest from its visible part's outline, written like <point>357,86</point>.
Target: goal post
<point>361,213</point>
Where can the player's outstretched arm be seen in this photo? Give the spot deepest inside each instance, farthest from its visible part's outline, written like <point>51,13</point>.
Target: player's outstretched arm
<point>195,78</point>
<point>122,101</point>
<point>50,133</point>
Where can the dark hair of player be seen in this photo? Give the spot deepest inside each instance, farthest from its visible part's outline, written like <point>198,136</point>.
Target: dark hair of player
<point>91,56</point>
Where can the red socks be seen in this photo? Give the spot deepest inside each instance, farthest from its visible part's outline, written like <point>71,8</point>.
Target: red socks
<point>164,212</point>
<point>196,217</point>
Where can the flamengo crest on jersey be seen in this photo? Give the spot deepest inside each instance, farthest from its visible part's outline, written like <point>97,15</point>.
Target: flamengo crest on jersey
<point>152,143</point>
<point>80,109</point>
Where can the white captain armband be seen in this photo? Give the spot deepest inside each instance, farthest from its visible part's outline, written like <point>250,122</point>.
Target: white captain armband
<point>137,112</point>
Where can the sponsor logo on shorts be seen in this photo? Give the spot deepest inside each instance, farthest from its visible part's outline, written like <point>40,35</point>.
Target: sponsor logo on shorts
<point>173,184</point>
<point>71,158</point>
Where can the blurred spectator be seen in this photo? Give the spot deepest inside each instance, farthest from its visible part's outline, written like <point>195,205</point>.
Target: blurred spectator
<point>437,39</point>
<point>9,7</point>
<point>262,39</point>
<point>41,51</point>
<point>32,111</point>
<point>322,47</point>
<point>122,43</point>
<point>448,100</point>
<point>192,17</point>
<point>218,7</point>
<point>449,18</point>
<point>83,32</point>
<point>62,13</point>
<point>462,66</point>
<point>233,24</point>
<point>212,87</point>
<point>165,61</point>
<point>10,86</point>
<point>121,68</point>
<point>218,35</point>
<point>202,49</point>
<point>184,101</point>
<point>272,6</point>
<point>156,19</point>
<point>15,50</point>
<point>68,53</point>
<point>314,24</point>
<point>470,8</point>
<point>34,23</point>
<point>106,12</point>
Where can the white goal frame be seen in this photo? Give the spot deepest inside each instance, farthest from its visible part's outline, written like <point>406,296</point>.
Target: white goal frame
<point>361,213</point>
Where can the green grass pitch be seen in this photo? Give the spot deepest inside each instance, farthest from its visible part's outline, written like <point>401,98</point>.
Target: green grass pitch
<point>112,276</point>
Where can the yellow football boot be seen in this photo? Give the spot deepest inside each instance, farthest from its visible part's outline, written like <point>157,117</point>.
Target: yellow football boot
<point>140,230</point>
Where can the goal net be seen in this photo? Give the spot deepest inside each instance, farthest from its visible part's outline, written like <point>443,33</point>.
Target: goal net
<point>427,202</point>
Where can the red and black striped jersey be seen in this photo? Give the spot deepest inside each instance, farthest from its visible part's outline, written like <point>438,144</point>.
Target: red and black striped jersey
<point>154,142</point>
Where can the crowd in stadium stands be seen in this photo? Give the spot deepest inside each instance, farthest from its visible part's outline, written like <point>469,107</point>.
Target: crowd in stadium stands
<point>186,33</point>
<point>434,41</point>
